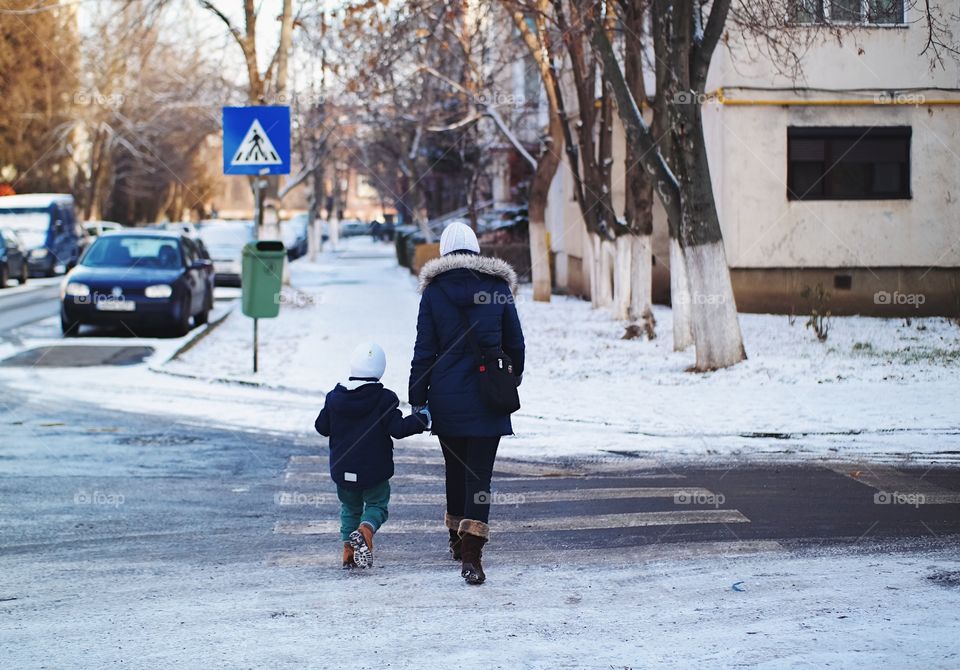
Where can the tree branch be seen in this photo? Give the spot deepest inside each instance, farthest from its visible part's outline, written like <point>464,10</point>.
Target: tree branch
<point>637,129</point>
<point>704,47</point>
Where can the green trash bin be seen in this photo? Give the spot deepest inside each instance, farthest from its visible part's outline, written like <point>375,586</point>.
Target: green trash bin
<point>262,278</point>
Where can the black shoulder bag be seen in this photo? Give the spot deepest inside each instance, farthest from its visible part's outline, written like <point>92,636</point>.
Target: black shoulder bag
<point>498,384</point>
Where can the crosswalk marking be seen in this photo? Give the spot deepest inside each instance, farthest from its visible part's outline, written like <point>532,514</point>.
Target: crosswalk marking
<point>303,498</point>
<point>310,472</point>
<point>891,481</point>
<point>309,477</point>
<point>504,466</point>
<point>565,523</point>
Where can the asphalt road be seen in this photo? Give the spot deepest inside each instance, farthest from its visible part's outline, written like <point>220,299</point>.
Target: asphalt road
<point>86,482</point>
<point>38,299</point>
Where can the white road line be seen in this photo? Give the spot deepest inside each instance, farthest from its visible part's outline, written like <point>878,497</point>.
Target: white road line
<point>908,488</point>
<point>567,523</point>
<point>309,499</point>
<point>295,477</point>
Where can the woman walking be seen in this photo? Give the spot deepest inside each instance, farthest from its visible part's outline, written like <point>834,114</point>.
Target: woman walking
<point>466,307</point>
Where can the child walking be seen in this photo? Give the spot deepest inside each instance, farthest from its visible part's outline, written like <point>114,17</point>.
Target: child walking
<point>360,417</point>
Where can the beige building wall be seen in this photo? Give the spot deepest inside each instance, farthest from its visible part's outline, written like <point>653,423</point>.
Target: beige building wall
<point>855,249</point>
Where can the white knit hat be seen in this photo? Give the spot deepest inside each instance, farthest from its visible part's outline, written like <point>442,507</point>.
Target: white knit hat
<point>368,361</point>
<point>458,236</point>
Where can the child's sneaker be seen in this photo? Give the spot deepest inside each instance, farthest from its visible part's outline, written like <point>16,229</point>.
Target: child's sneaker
<point>347,556</point>
<point>362,542</point>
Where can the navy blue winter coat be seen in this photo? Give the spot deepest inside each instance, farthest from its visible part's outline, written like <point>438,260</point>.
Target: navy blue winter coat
<point>360,423</point>
<point>444,368</point>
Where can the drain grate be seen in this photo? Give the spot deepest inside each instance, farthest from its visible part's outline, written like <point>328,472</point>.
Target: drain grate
<point>78,356</point>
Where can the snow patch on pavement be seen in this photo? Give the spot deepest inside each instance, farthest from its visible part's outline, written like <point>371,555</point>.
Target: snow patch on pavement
<point>877,389</point>
<point>788,610</point>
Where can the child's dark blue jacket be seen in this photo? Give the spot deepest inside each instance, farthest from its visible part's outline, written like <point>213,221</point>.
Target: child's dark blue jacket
<point>360,423</point>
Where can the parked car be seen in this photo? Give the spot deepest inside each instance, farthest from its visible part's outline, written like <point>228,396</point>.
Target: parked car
<point>13,258</point>
<point>188,228</point>
<point>97,228</point>
<point>295,234</point>
<point>48,227</point>
<point>353,228</point>
<point>140,278</point>
<point>224,240</point>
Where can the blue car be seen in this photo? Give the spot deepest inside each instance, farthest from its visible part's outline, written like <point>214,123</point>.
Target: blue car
<point>13,262</point>
<point>48,226</point>
<point>139,279</point>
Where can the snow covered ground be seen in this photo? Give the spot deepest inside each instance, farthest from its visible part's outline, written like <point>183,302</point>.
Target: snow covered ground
<point>723,610</point>
<point>882,390</point>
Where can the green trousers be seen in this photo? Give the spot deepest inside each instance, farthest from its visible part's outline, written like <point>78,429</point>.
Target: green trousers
<point>368,505</point>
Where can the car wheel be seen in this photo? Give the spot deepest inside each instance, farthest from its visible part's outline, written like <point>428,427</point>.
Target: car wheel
<point>183,323</point>
<point>67,327</point>
<point>4,276</point>
<point>204,315</point>
<point>24,273</point>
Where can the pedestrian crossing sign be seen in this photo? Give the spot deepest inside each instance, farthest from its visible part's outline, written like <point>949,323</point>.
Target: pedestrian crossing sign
<point>256,140</point>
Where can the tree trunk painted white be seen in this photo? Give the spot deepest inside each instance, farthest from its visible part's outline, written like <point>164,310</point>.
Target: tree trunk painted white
<point>334,232</point>
<point>540,261</point>
<point>680,298</point>
<point>623,271</point>
<point>641,278</point>
<point>605,253</point>
<point>716,327</point>
<point>590,253</point>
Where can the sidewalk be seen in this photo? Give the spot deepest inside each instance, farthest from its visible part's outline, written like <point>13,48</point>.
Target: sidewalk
<point>877,389</point>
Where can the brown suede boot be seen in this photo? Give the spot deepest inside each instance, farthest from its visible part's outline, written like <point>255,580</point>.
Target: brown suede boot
<point>362,542</point>
<point>453,526</point>
<point>473,535</point>
<point>347,556</point>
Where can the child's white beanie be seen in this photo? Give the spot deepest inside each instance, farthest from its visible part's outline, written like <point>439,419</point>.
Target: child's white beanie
<point>458,236</point>
<point>368,361</point>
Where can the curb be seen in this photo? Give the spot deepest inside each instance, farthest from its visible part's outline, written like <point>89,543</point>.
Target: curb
<point>193,341</point>
<point>196,336</point>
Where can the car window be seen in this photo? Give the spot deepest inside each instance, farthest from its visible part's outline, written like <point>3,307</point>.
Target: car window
<point>143,252</point>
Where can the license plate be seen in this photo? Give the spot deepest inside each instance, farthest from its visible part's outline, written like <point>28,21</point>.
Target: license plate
<point>116,305</point>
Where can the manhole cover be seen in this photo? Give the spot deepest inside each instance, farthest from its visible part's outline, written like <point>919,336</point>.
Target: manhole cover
<point>78,356</point>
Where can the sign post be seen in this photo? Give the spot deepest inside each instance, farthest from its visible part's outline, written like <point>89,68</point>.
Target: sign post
<point>256,141</point>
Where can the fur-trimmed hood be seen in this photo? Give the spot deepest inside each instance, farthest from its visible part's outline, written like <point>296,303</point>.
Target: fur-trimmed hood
<point>496,267</point>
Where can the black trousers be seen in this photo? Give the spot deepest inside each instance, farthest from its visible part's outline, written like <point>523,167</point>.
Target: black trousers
<point>469,468</point>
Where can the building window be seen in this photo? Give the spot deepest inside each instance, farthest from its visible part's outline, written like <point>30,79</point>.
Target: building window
<point>849,163</point>
<point>866,12</point>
